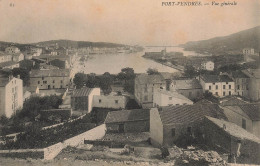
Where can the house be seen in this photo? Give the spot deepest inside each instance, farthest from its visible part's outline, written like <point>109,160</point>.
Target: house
<point>189,88</point>
<point>110,101</point>
<point>36,51</point>
<point>50,58</point>
<point>166,98</point>
<point>50,79</point>
<point>9,65</point>
<point>11,95</point>
<point>218,85</point>
<point>231,101</point>
<point>231,139</point>
<point>61,64</point>
<point>136,120</point>
<point>17,57</point>
<point>171,123</point>
<point>44,66</point>
<point>144,87</point>
<point>248,51</point>
<point>241,83</point>
<point>208,65</point>
<point>246,116</point>
<point>4,57</point>
<point>12,50</point>
<point>254,83</point>
<point>82,99</point>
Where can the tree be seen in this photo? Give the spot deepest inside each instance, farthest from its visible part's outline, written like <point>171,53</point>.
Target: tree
<point>190,71</point>
<point>79,80</point>
<point>151,71</point>
<point>105,82</point>
<point>126,74</point>
<point>24,75</point>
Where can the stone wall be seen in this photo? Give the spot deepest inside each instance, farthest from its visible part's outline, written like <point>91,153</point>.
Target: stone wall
<point>23,153</point>
<point>52,151</point>
<point>115,102</point>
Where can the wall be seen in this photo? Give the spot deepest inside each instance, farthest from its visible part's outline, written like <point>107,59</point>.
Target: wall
<point>162,99</point>
<point>109,101</point>
<point>220,89</point>
<point>94,92</point>
<point>56,85</point>
<point>79,103</point>
<point>243,84</point>
<point>23,153</point>
<point>236,116</point>
<point>256,128</point>
<point>191,93</point>
<point>52,151</point>
<point>254,89</point>
<point>156,128</point>
<point>2,101</point>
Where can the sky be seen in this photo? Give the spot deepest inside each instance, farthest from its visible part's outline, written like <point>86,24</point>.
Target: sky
<point>143,22</point>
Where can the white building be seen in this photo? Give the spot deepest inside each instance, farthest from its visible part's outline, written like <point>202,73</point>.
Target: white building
<point>209,65</point>
<point>11,95</point>
<point>12,50</point>
<point>4,57</point>
<point>248,51</point>
<point>36,51</point>
<point>167,98</point>
<point>220,86</point>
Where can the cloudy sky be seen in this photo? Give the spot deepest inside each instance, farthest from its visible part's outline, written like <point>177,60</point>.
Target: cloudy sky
<point>144,22</point>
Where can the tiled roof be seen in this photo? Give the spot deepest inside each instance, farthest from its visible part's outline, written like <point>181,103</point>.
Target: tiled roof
<point>127,115</point>
<point>189,113</point>
<point>239,74</point>
<point>216,78</point>
<point>85,91</point>
<point>252,73</point>
<point>231,100</point>
<point>50,73</point>
<point>252,110</point>
<point>187,84</point>
<point>149,79</point>
<point>234,130</point>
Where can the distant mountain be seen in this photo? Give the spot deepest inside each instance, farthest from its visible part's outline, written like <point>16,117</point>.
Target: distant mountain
<point>77,44</point>
<point>231,43</point>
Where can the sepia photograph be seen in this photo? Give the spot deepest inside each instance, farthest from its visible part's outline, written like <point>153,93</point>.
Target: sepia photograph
<point>129,82</point>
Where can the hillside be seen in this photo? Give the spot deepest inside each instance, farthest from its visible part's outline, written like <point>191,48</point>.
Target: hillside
<point>77,44</point>
<point>231,43</point>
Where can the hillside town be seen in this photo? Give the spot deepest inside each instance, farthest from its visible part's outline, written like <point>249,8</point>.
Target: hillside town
<point>206,113</point>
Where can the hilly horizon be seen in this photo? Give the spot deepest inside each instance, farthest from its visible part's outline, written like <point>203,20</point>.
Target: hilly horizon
<point>62,43</point>
<point>231,43</point>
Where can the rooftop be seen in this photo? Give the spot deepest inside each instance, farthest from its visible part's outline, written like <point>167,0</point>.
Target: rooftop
<point>187,84</point>
<point>216,78</point>
<point>252,110</point>
<point>239,74</point>
<point>85,91</point>
<point>252,73</point>
<point>50,73</point>
<point>127,115</point>
<point>149,79</point>
<point>234,130</point>
<point>9,63</point>
<point>232,101</point>
<point>3,81</point>
<point>174,94</point>
<point>189,113</point>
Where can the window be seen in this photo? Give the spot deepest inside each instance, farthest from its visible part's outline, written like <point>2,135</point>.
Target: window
<point>170,98</point>
<point>238,87</point>
<point>224,86</point>
<point>229,93</point>
<point>145,98</point>
<point>42,78</point>
<point>145,88</point>
<point>61,81</point>
<point>53,81</point>
<point>209,87</point>
<point>224,93</point>
<point>38,82</point>
<point>173,132</point>
<point>116,101</point>
<point>189,129</point>
<point>216,86</point>
<point>229,86</point>
<point>99,100</point>
<point>243,123</point>
<point>216,93</point>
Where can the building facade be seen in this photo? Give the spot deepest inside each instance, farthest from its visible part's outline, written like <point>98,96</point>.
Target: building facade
<point>189,88</point>
<point>11,94</point>
<point>254,83</point>
<point>82,99</point>
<point>241,83</point>
<point>109,101</point>
<point>12,50</point>
<point>5,57</point>
<point>219,86</point>
<point>50,79</point>
<point>209,65</point>
<point>144,88</point>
